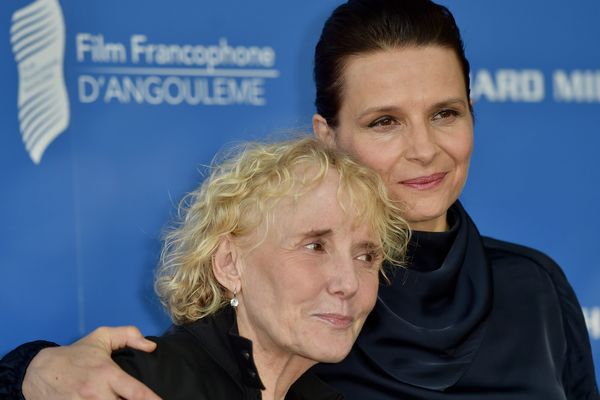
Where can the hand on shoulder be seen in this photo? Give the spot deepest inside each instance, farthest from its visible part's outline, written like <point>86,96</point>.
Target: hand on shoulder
<point>85,370</point>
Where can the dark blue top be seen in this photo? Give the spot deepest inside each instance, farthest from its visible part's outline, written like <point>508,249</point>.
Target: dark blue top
<point>471,318</point>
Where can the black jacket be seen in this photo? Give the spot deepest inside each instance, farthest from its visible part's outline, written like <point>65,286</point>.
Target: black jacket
<point>207,359</point>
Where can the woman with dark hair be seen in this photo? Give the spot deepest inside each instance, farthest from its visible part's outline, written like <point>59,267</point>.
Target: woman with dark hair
<point>472,317</point>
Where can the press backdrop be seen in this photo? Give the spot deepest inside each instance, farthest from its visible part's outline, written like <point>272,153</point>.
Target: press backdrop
<point>108,110</point>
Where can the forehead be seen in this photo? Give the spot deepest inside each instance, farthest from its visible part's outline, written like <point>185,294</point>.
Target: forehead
<point>323,205</point>
<point>403,75</point>
<point>309,196</point>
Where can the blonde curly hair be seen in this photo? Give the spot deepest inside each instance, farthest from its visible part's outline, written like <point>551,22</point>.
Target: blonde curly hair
<point>240,194</point>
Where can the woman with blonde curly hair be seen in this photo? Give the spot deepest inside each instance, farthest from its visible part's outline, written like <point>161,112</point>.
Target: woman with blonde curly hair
<point>272,267</point>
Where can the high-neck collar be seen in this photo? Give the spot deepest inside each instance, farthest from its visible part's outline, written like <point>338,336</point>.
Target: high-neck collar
<point>428,250</point>
<point>219,336</point>
<point>428,324</point>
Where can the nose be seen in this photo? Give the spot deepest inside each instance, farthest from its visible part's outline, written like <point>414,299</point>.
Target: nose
<point>344,280</point>
<point>422,146</point>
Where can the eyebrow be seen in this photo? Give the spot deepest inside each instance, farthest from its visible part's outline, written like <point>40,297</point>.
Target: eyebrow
<point>392,108</point>
<point>449,102</point>
<point>379,109</point>
<point>368,245</point>
<point>317,233</point>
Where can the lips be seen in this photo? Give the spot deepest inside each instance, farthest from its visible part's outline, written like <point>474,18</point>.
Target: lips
<point>336,320</point>
<point>425,182</point>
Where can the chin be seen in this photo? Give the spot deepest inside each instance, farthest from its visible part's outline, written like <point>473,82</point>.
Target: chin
<point>326,353</point>
<point>423,212</point>
<point>425,221</point>
<point>332,358</point>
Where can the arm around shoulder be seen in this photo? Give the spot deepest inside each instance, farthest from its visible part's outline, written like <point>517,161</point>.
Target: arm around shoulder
<point>13,367</point>
<point>81,370</point>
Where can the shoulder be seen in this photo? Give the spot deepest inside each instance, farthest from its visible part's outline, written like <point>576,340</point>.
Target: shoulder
<point>179,367</point>
<point>502,254</point>
<point>515,260</point>
<point>176,347</point>
<point>522,266</point>
<point>500,247</point>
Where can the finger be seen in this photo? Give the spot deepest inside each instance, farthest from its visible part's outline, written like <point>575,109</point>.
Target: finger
<point>136,340</point>
<point>130,388</point>
<point>142,344</point>
<point>116,338</point>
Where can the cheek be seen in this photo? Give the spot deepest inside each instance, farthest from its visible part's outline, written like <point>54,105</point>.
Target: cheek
<point>464,146</point>
<point>380,157</point>
<point>297,292</point>
<point>462,150</point>
<point>458,147</point>
<point>260,287</point>
<point>368,291</point>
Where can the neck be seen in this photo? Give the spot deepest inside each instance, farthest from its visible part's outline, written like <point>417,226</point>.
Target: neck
<point>279,372</point>
<point>278,369</point>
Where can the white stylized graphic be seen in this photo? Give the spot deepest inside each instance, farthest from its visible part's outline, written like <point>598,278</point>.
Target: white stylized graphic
<point>592,320</point>
<point>38,43</point>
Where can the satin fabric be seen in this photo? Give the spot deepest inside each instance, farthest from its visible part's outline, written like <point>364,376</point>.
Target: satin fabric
<point>433,317</point>
<point>471,318</point>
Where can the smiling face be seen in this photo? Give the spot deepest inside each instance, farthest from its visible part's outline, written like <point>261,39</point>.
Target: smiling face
<point>405,113</point>
<point>307,288</point>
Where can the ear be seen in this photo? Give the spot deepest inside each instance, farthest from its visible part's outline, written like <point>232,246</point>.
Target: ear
<point>225,264</point>
<point>323,131</point>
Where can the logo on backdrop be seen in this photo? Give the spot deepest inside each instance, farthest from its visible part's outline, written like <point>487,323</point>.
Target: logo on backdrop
<point>592,320</point>
<point>532,86</point>
<point>145,72</point>
<point>37,36</point>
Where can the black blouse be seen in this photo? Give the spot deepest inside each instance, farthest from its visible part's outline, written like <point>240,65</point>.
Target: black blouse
<point>471,318</point>
<point>208,360</point>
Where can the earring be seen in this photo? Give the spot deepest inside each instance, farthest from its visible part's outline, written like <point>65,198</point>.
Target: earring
<point>234,300</point>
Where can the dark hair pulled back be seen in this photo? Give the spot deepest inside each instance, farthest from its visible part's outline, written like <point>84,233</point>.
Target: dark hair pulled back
<point>362,26</point>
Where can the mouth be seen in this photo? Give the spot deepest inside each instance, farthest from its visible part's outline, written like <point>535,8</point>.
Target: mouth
<point>336,320</point>
<point>425,182</point>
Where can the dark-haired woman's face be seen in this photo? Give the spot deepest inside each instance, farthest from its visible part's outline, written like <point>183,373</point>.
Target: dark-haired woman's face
<point>405,113</point>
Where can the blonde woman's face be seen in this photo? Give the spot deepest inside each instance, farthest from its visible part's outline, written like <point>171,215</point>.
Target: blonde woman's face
<point>307,289</point>
<point>405,113</point>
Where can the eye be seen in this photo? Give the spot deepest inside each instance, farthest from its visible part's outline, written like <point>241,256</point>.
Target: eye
<point>383,121</point>
<point>446,114</point>
<point>366,257</point>
<point>371,257</point>
<point>315,246</point>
